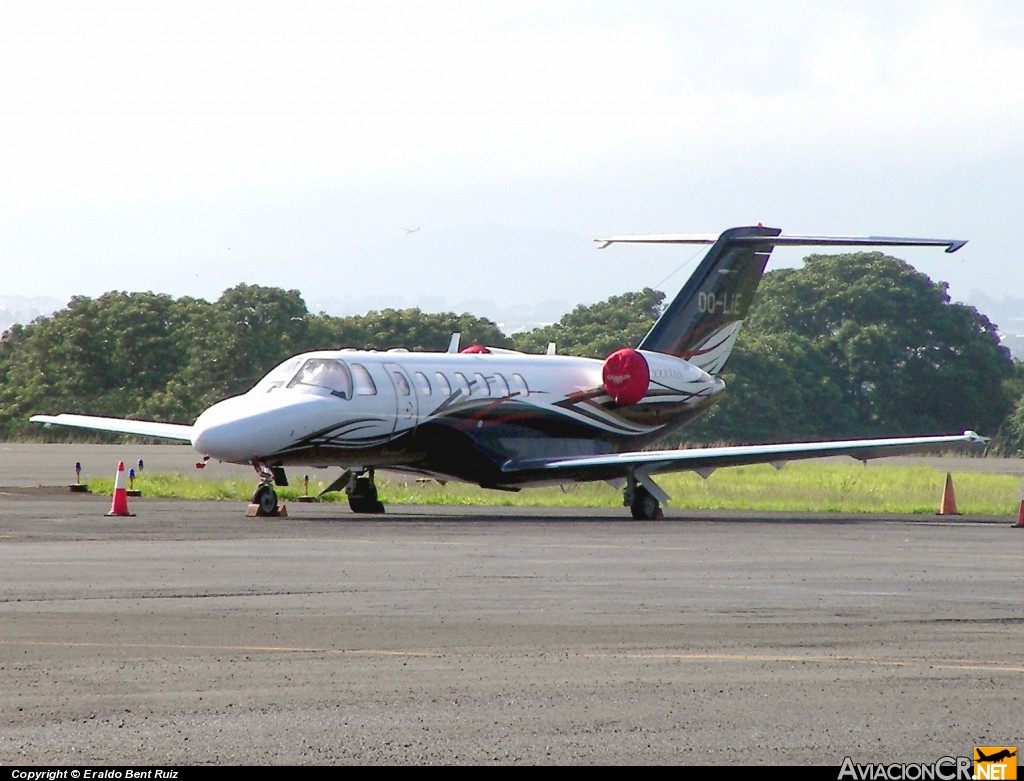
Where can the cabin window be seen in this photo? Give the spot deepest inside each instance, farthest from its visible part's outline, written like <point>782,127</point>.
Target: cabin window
<point>481,388</point>
<point>423,383</point>
<point>443,383</point>
<point>462,382</point>
<point>363,381</point>
<point>519,385</point>
<point>325,373</point>
<point>499,386</point>
<point>401,383</point>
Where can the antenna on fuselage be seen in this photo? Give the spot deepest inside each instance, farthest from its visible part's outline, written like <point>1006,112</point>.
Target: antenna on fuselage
<point>453,345</point>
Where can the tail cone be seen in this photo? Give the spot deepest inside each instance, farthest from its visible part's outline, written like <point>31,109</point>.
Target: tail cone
<point>120,504</point>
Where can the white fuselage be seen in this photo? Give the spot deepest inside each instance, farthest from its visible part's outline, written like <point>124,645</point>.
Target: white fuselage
<point>363,409</point>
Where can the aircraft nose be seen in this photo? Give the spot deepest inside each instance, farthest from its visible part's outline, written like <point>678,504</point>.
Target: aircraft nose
<point>220,432</point>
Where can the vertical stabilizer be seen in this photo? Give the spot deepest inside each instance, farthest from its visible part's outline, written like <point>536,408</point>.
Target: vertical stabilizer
<point>702,322</point>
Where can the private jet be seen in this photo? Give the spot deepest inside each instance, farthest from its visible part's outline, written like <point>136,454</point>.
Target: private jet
<point>508,420</point>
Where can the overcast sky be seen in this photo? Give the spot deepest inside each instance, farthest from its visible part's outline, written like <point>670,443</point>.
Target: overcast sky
<point>186,147</point>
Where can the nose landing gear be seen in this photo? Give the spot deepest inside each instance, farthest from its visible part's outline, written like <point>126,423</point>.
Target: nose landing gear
<point>264,502</point>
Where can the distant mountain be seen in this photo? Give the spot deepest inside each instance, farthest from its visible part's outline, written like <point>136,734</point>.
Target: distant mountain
<point>1007,314</point>
<point>25,309</point>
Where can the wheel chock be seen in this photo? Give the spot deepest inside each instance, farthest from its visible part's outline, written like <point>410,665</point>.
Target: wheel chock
<point>255,511</point>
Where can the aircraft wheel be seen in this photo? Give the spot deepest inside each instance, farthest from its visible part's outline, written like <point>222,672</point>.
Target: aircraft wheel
<point>645,507</point>
<point>266,498</point>
<point>363,498</point>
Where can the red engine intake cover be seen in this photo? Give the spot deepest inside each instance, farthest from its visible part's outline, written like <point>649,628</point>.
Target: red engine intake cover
<point>626,376</point>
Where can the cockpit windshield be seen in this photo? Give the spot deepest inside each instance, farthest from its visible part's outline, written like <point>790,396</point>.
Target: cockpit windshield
<point>327,373</point>
<point>277,377</point>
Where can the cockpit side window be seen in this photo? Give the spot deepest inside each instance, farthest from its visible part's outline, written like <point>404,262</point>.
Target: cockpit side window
<point>325,373</point>
<point>363,381</point>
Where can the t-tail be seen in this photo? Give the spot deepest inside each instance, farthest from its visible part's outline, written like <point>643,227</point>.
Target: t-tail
<point>702,322</point>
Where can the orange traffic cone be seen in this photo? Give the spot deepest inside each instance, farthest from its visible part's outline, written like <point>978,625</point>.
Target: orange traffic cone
<point>1020,513</point>
<point>120,504</point>
<point>948,506</point>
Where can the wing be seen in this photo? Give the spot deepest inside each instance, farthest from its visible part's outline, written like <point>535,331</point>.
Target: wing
<point>142,428</point>
<point>706,460</point>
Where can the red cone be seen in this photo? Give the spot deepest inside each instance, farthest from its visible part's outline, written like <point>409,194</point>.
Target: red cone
<point>1020,513</point>
<point>120,504</point>
<point>948,506</point>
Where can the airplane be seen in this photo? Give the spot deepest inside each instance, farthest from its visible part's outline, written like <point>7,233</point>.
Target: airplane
<point>508,420</point>
<point>998,756</point>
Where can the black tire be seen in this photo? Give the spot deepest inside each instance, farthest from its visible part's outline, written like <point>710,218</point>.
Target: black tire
<point>266,498</point>
<point>645,506</point>
<point>363,498</point>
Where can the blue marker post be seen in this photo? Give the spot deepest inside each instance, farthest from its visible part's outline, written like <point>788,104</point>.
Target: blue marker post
<point>78,487</point>
<point>131,484</point>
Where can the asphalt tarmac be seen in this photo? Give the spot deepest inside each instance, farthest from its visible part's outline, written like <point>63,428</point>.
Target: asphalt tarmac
<point>189,634</point>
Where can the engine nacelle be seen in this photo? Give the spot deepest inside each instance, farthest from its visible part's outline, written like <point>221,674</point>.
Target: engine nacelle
<point>627,375</point>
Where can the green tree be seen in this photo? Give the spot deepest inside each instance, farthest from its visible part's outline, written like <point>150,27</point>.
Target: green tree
<point>104,356</point>
<point>779,388</point>
<point>906,359</point>
<point>411,329</point>
<point>1009,440</point>
<point>595,331</point>
<point>233,343</point>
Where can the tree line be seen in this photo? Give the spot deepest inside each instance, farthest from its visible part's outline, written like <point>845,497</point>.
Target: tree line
<point>848,345</point>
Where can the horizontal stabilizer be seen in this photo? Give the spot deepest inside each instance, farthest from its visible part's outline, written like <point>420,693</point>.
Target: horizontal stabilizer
<point>951,245</point>
<point>141,428</point>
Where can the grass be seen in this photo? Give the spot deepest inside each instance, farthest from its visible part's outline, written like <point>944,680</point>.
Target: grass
<point>805,486</point>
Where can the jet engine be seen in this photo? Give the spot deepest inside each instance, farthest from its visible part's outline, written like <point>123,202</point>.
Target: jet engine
<point>626,376</point>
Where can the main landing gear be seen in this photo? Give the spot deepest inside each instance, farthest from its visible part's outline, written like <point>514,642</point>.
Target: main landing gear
<point>358,484</point>
<point>362,494</point>
<point>642,502</point>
